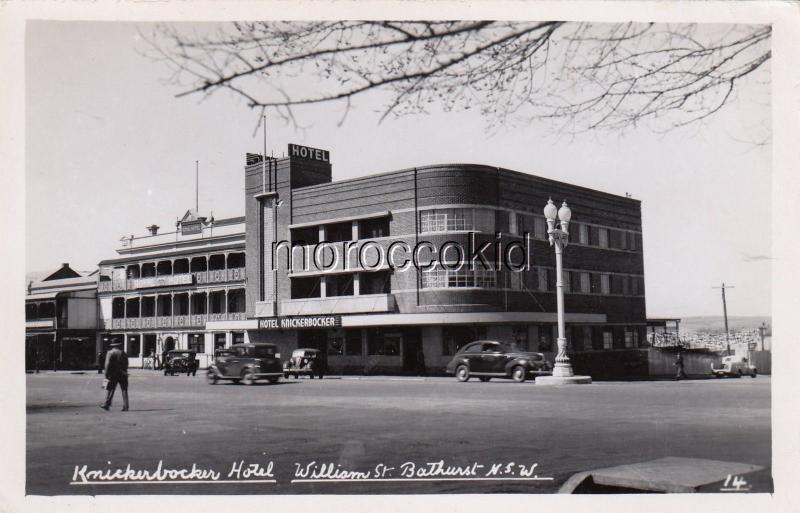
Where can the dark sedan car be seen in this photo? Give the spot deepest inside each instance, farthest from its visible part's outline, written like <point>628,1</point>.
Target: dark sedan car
<point>246,363</point>
<point>305,362</point>
<point>488,359</point>
<point>178,362</point>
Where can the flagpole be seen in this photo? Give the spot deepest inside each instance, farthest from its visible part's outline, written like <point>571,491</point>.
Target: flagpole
<point>264,160</point>
<point>197,186</point>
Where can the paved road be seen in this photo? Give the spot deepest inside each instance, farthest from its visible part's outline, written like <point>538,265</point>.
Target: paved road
<point>357,424</point>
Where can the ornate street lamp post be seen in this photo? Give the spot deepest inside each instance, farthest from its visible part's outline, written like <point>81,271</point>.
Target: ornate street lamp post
<point>559,238</point>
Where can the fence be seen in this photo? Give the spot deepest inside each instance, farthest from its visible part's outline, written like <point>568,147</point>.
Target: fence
<point>707,341</point>
<point>661,362</point>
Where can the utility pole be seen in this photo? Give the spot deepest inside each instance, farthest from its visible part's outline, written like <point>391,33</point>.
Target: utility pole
<point>762,330</point>
<point>725,312</point>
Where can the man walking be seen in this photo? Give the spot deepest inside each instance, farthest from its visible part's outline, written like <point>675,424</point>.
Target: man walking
<point>116,373</point>
<point>679,364</point>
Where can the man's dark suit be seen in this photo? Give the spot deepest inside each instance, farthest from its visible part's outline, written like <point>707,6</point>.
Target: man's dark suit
<point>116,372</point>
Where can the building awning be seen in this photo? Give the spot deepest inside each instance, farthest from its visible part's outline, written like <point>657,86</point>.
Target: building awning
<point>40,296</point>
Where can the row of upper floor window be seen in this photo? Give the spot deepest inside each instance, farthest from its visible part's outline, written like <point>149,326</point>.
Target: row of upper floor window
<point>162,305</point>
<point>172,266</point>
<point>519,223</point>
<point>476,219</point>
<point>543,280</point>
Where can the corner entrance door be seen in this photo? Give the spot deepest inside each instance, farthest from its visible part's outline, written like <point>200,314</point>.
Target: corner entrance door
<point>413,357</point>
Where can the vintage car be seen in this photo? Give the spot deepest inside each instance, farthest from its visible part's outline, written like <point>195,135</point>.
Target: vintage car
<point>179,361</point>
<point>487,359</point>
<point>305,362</point>
<point>736,366</point>
<point>246,363</point>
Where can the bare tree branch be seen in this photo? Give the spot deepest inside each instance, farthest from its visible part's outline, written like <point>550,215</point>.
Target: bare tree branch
<point>582,76</point>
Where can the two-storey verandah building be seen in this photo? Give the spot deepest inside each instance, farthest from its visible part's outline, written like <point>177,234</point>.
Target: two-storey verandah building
<point>164,289</point>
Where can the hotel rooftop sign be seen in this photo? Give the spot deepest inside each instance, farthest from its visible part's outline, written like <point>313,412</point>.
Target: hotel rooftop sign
<point>305,152</point>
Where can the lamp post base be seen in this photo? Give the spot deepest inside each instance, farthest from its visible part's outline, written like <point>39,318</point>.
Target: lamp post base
<point>563,380</point>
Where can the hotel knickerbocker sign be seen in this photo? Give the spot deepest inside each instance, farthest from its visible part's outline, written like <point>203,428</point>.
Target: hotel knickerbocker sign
<point>305,322</point>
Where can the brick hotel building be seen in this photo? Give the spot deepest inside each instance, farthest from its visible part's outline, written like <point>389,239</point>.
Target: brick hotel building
<point>378,320</point>
<point>210,283</point>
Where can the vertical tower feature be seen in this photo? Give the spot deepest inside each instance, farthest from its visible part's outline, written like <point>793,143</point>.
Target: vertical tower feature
<point>268,213</point>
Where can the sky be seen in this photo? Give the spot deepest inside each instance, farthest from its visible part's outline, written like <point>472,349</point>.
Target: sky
<point>111,150</point>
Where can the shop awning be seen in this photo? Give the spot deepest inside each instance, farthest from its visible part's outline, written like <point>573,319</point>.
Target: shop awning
<point>41,295</point>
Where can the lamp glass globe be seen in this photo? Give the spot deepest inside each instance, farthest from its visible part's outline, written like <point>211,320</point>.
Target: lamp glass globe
<point>564,213</point>
<point>550,210</point>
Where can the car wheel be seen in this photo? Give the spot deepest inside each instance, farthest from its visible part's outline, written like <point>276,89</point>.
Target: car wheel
<point>296,376</point>
<point>518,374</point>
<point>739,373</point>
<point>311,376</point>
<point>211,378</point>
<point>274,379</point>
<point>753,375</point>
<point>286,375</point>
<point>462,373</point>
<point>248,378</point>
<point>485,379</point>
<point>165,373</point>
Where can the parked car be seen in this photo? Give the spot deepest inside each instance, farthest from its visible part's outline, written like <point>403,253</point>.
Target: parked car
<point>736,366</point>
<point>305,362</point>
<point>489,358</point>
<point>246,363</point>
<point>179,361</point>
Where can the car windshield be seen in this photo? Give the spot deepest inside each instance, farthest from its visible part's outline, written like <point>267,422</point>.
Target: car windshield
<point>263,351</point>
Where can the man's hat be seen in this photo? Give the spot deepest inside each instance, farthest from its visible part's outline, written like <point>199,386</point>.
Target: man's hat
<point>116,344</point>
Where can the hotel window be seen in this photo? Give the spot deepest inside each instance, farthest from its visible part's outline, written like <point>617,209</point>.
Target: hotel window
<point>628,338</point>
<point>378,282</point>
<point>520,335</point>
<point>304,288</point>
<point>602,237</point>
<point>615,239</point>
<point>503,221</point>
<point>383,343</point>
<point>586,285</point>
<point>608,340</point>
<point>434,279</point>
<point>433,221</point>
<point>605,284</point>
<point>335,343</point>
<point>485,278</point>
<point>457,219</point>
<point>545,338</point>
<point>567,279</point>
<point>583,234</point>
<point>373,228</point>
<point>543,279</point>
<point>484,220</point>
<point>616,284</point>
<point>587,338</point>
<point>519,224</point>
<point>631,237</point>
<point>456,337</point>
<point>539,228</point>
<point>516,280</point>
<point>339,285</point>
<point>462,278</point>
<point>339,232</point>
<point>352,342</point>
